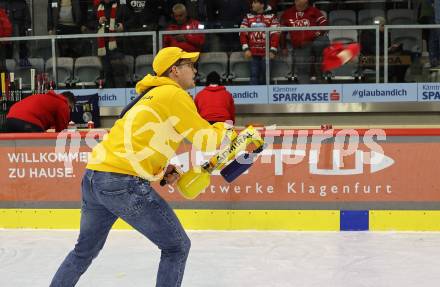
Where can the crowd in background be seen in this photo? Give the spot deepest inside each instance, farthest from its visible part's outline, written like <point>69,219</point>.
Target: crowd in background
<point>66,17</point>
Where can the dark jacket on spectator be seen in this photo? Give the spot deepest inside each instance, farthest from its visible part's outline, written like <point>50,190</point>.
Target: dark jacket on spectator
<point>43,110</point>
<point>368,43</point>
<point>226,13</point>
<point>79,13</point>
<point>140,13</point>
<point>19,14</point>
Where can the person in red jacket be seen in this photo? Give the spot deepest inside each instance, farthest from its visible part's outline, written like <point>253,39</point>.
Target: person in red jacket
<point>5,31</point>
<point>40,112</point>
<point>5,24</point>
<point>214,103</point>
<point>305,43</point>
<point>187,42</point>
<point>254,43</point>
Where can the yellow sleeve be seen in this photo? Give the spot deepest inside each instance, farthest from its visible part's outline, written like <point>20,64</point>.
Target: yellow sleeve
<point>193,127</point>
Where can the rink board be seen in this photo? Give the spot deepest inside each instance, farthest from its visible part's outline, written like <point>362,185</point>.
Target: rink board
<point>300,220</point>
<point>292,186</point>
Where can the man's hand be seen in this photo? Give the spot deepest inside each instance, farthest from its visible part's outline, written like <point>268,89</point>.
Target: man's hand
<point>251,147</point>
<point>247,54</point>
<point>171,175</point>
<point>272,55</point>
<point>102,20</point>
<point>119,27</point>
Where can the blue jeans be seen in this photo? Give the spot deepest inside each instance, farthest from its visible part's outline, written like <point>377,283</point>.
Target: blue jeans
<point>437,11</point>
<point>434,47</point>
<point>308,56</point>
<point>107,196</point>
<point>258,70</point>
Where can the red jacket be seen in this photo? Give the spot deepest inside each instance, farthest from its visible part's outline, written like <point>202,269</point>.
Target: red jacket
<point>256,41</point>
<point>5,24</point>
<point>215,104</point>
<point>192,43</point>
<point>43,110</point>
<point>310,17</point>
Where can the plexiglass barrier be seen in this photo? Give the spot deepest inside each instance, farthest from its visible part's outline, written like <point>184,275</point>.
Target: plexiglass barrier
<point>392,54</point>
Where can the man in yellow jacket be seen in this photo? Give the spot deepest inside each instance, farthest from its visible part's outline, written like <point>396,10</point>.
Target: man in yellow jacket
<point>135,152</point>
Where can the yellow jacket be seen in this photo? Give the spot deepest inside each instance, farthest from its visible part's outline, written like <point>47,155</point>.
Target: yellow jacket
<point>143,141</point>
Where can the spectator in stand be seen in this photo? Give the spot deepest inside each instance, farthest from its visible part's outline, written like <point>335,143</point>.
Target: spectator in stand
<point>224,14</point>
<point>187,42</point>
<point>40,112</point>
<point>426,15</point>
<point>307,45</point>
<point>110,18</point>
<point>214,103</point>
<point>196,9</point>
<point>67,17</point>
<point>254,43</point>
<point>20,17</point>
<point>397,68</point>
<point>5,31</point>
<point>141,15</point>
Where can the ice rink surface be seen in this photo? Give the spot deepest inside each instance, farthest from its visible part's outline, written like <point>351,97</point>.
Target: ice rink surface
<point>234,259</point>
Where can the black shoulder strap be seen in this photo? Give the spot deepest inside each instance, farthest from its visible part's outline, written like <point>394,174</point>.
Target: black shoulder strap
<point>130,105</point>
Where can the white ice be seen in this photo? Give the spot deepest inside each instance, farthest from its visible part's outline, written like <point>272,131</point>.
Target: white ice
<point>234,259</point>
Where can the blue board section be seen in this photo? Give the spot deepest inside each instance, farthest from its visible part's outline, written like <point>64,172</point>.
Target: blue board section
<point>354,220</point>
<point>295,94</point>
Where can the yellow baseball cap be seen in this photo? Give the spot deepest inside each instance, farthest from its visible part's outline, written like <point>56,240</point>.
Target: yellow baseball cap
<point>168,56</point>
